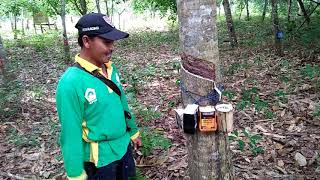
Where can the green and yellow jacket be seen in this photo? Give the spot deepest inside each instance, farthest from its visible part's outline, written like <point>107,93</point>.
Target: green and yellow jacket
<point>93,124</point>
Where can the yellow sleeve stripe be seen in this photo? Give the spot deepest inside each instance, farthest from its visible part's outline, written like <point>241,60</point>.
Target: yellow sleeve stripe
<point>83,176</point>
<point>135,136</point>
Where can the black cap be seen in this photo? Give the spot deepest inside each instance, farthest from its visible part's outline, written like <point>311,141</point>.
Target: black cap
<point>100,25</point>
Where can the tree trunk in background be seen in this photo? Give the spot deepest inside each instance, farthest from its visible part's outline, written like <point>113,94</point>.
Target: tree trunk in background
<point>264,10</point>
<point>22,26</point>
<point>276,27</point>
<point>305,14</point>
<point>98,6</point>
<point>289,10</point>
<point>65,36</point>
<point>107,9</point>
<point>2,60</point>
<point>229,21</point>
<point>81,6</point>
<point>84,8</point>
<point>111,10</point>
<point>208,153</point>
<point>28,26</point>
<point>35,27</point>
<point>15,33</point>
<point>22,22</point>
<point>241,9</point>
<point>247,7</point>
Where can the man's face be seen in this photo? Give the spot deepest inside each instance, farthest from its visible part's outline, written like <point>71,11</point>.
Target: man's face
<point>100,49</point>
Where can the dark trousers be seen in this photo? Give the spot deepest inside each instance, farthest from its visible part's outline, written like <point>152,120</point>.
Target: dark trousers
<point>117,170</point>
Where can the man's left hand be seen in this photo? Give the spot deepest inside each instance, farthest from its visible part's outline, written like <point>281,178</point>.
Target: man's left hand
<point>137,143</point>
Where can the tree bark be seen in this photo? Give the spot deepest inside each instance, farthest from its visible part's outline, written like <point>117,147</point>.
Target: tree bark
<point>241,9</point>
<point>107,9</point>
<point>98,6</point>
<point>35,27</point>
<point>276,28</point>
<point>264,10</point>
<point>81,6</point>
<point>305,14</point>
<point>289,10</point>
<point>27,25</point>
<point>112,10</point>
<point>229,21</point>
<point>15,33</point>
<point>247,7</point>
<point>2,58</point>
<point>84,8</point>
<point>208,153</point>
<point>65,36</point>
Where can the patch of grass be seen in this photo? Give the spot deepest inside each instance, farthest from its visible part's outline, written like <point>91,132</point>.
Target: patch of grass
<point>23,140</point>
<point>317,111</point>
<point>250,97</point>
<point>281,95</point>
<point>138,176</point>
<point>230,94</point>
<point>145,40</point>
<point>152,139</point>
<point>250,140</point>
<point>148,114</point>
<point>39,42</point>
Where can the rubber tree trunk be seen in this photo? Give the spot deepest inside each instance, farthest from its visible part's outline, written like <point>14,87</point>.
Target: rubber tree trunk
<point>98,6</point>
<point>241,9</point>
<point>22,26</point>
<point>84,8</point>
<point>15,31</point>
<point>229,21</point>
<point>27,25</point>
<point>247,7</point>
<point>65,36</point>
<point>276,27</point>
<point>112,6</point>
<point>2,58</point>
<point>208,154</point>
<point>289,10</point>
<point>305,14</point>
<point>265,7</point>
<point>107,9</point>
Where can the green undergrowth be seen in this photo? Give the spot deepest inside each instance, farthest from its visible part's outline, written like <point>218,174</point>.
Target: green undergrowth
<point>147,40</point>
<point>39,42</point>
<point>247,140</point>
<point>153,139</point>
<point>255,33</point>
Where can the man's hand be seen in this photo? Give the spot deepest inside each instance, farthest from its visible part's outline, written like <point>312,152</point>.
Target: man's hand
<point>136,143</point>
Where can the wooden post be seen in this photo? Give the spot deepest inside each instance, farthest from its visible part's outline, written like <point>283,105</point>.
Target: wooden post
<point>207,152</point>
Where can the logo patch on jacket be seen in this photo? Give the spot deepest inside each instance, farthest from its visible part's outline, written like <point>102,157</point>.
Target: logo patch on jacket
<point>90,95</point>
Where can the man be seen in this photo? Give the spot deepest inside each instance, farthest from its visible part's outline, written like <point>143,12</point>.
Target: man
<point>96,125</point>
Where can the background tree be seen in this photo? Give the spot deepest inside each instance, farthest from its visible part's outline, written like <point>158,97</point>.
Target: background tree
<point>265,7</point>
<point>13,9</point>
<point>107,8</point>
<point>208,154</point>
<point>229,21</point>
<point>276,28</point>
<point>304,11</point>
<point>2,58</point>
<point>247,8</point>
<point>65,36</point>
<point>81,6</point>
<point>163,6</point>
<point>289,10</point>
<point>98,5</point>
